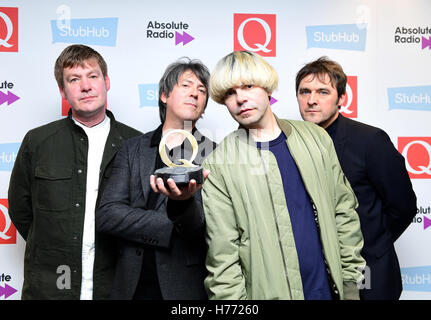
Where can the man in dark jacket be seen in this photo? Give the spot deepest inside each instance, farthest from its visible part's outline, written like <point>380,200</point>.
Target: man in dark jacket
<point>59,174</point>
<point>374,168</point>
<point>161,229</point>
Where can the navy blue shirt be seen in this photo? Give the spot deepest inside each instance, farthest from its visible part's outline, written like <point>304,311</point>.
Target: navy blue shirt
<point>307,241</point>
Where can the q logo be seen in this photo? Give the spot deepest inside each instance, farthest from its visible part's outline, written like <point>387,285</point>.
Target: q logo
<point>350,107</point>
<point>255,33</point>
<point>417,153</point>
<point>7,229</point>
<point>8,29</point>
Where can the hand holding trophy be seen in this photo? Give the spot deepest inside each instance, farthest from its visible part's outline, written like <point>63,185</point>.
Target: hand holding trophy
<point>181,170</point>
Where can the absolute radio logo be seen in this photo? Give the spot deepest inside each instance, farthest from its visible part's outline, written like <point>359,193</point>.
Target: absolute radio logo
<point>7,96</point>
<point>8,29</point>
<point>418,36</point>
<point>169,30</point>
<point>350,107</point>
<point>417,154</point>
<point>7,229</point>
<point>5,289</point>
<point>421,217</point>
<point>255,32</point>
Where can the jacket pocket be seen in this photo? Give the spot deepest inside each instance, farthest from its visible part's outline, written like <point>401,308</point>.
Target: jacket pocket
<point>53,187</point>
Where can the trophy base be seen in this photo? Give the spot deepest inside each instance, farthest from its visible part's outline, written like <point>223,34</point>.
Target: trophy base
<point>181,175</point>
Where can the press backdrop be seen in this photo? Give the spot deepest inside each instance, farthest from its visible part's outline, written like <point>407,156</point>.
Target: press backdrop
<point>384,47</point>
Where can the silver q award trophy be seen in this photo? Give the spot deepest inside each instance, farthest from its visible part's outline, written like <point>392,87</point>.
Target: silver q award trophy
<point>181,170</point>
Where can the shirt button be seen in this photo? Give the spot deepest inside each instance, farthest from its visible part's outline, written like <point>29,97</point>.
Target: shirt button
<point>75,237</point>
<point>113,145</point>
<point>79,171</point>
<point>77,205</point>
<point>82,139</point>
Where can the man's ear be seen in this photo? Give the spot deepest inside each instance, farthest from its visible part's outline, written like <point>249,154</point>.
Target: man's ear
<point>163,97</point>
<point>63,95</point>
<point>342,99</point>
<point>107,82</point>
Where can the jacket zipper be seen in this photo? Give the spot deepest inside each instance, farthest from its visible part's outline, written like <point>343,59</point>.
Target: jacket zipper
<point>276,224</point>
<point>328,271</point>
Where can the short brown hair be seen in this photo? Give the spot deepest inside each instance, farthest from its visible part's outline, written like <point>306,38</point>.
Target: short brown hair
<point>77,55</point>
<point>322,67</point>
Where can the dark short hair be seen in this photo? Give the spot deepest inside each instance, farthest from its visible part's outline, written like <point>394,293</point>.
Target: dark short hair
<point>173,73</point>
<point>322,67</point>
<point>77,55</point>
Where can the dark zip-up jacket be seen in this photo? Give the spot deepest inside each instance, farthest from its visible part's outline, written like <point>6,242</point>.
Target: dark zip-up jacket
<point>47,193</point>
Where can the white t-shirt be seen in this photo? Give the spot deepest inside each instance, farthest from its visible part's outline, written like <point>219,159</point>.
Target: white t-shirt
<point>97,137</point>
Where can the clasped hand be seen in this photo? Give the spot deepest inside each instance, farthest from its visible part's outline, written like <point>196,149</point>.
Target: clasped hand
<point>175,192</point>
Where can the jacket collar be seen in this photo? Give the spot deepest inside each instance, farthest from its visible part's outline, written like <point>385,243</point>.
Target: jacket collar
<point>284,126</point>
<point>156,137</point>
<point>107,112</point>
<point>243,134</point>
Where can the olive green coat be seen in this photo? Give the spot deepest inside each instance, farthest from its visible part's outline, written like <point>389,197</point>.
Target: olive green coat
<point>252,252</point>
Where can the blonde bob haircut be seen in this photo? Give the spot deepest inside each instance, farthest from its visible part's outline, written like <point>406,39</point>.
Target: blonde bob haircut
<point>241,68</point>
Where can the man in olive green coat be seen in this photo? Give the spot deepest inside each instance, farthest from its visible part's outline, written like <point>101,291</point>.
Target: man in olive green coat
<point>280,214</point>
<point>58,177</point>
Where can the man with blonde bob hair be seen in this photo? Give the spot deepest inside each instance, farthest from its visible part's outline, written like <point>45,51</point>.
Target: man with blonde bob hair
<point>280,223</point>
<point>242,67</point>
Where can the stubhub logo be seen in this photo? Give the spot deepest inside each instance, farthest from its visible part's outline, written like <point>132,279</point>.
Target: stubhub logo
<point>410,98</point>
<point>416,278</point>
<point>148,95</point>
<point>8,153</point>
<point>340,36</point>
<point>99,31</point>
